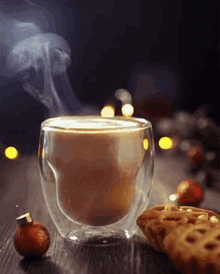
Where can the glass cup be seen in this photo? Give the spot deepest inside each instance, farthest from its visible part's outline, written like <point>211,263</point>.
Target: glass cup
<point>96,175</point>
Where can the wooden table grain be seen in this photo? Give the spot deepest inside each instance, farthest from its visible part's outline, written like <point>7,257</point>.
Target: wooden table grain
<point>20,184</point>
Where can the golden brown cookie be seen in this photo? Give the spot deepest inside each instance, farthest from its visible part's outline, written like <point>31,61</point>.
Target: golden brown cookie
<point>158,221</point>
<point>194,248</point>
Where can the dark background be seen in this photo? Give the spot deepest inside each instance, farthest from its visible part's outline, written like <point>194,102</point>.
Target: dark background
<point>109,40</point>
<point>183,36</point>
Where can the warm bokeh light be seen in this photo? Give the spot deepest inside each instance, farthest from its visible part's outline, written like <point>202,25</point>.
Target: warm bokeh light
<point>203,217</point>
<point>108,111</point>
<point>214,219</point>
<point>11,153</point>
<point>173,197</point>
<point>123,95</point>
<point>183,186</point>
<point>127,110</point>
<point>145,143</point>
<point>43,153</point>
<point>165,143</point>
<point>167,208</point>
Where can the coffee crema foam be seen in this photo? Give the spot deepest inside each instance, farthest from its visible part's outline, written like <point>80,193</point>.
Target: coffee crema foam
<point>93,123</point>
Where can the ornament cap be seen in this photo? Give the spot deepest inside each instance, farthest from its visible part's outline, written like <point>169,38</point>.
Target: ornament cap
<point>24,219</point>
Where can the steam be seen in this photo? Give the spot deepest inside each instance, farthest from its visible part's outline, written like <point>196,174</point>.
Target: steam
<point>45,58</point>
<point>40,60</point>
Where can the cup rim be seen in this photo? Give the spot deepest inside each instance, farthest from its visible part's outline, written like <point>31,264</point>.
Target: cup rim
<point>95,124</point>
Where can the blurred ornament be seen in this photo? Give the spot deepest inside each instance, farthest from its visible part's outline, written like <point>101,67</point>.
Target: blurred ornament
<point>31,237</point>
<point>196,136</point>
<point>189,193</point>
<point>195,154</point>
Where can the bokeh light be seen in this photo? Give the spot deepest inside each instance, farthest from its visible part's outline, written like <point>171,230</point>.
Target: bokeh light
<point>183,186</point>
<point>127,110</point>
<point>165,143</point>
<point>123,95</point>
<point>108,111</point>
<point>145,143</point>
<point>173,197</point>
<point>214,219</point>
<point>11,153</point>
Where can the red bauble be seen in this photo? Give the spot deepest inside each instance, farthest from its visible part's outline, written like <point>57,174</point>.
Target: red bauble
<point>31,237</point>
<point>195,155</point>
<point>190,193</point>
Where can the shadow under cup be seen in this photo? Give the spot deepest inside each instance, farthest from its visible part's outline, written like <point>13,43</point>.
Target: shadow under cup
<point>96,175</point>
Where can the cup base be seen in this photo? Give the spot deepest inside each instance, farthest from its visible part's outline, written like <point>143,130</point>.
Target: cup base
<point>98,237</point>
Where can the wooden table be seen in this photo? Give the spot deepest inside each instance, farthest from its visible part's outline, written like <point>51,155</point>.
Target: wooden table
<point>20,183</point>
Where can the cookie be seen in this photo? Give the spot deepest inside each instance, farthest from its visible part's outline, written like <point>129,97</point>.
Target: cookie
<point>157,222</point>
<point>194,248</point>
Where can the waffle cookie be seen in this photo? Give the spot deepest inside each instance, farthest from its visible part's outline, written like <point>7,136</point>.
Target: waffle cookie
<point>194,248</point>
<point>157,222</point>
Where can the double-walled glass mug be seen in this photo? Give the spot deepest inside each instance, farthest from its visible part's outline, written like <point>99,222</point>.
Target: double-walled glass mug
<point>96,175</point>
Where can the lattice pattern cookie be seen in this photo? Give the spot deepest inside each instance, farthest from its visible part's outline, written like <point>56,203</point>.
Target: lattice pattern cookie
<point>159,221</point>
<point>194,248</point>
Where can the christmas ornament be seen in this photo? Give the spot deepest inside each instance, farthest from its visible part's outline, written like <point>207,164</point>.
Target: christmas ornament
<point>198,140</point>
<point>195,155</point>
<point>189,193</point>
<point>31,237</point>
